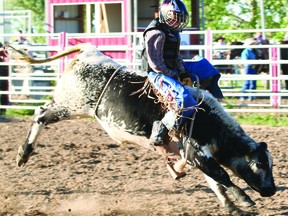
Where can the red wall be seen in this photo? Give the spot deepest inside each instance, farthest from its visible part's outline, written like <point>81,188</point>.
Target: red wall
<point>95,40</point>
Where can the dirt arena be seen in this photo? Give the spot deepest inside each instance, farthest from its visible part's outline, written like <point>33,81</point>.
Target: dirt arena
<point>78,170</point>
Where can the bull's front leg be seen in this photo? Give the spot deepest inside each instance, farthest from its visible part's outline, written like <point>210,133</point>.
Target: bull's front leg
<point>225,201</point>
<point>44,115</point>
<point>201,157</point>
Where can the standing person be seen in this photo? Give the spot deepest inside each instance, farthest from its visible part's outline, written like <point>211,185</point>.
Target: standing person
<point>258,37</point>
<point>248,54</point>
<point>221,53</point>
<point>21,39</point>
<point>218,52</point>
<point>162,60</point>
<point>4,85</point>
<point>220,41</point>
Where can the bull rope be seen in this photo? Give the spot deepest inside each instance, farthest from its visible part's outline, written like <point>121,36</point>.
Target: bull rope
<point>197,100</point>
<point>192,119</point>
<point>104,89</point>
<point>146,89</point>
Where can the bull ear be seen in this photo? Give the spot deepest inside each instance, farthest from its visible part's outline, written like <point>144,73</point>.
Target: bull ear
<point>263,145</point>
<point>260,146</point>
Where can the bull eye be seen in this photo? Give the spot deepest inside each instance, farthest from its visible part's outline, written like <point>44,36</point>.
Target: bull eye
<point>261,165</point>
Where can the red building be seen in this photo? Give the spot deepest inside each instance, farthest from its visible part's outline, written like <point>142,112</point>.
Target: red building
<point>105,18</point>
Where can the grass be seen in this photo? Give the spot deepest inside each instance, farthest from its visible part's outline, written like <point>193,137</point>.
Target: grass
<point>19,112</point>
<point>274,120</point>
<point>25,112</point>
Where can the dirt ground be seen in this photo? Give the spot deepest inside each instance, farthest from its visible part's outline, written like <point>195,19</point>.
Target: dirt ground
<point>78,170</point>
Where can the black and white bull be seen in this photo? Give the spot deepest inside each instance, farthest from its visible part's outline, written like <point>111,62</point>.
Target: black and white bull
<point>94,85</point>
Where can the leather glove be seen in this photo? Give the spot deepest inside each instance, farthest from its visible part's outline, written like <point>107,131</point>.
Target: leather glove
<point>187,81</point>
<point>185,78</point>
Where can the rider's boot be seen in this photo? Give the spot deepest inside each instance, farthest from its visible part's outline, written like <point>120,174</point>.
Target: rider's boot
<point>159,134</point>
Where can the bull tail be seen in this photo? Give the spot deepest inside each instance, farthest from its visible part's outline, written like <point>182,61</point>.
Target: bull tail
<point>26,57</point>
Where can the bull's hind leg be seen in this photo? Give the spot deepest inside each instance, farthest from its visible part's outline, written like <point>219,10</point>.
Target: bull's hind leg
<point>44,115</point>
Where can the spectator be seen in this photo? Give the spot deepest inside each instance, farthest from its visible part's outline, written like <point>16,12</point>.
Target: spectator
<point>20,39</point>
<point>258,37</point>
<point>218,53</point>
<point>220,41</point>
<point>4,85</point>
<point>249,69</point>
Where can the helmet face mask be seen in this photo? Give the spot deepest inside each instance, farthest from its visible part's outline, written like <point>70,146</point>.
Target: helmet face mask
<point>174,14</point>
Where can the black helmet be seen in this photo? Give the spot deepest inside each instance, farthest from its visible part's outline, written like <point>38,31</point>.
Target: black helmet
<point>174,14</point>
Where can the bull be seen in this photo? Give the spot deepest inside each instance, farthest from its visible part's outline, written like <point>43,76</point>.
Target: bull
<point>94,85</point>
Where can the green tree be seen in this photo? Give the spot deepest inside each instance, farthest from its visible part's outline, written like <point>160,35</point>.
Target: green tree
<point>218,14</point>
<point>235,14</point>
<point>37,8</point>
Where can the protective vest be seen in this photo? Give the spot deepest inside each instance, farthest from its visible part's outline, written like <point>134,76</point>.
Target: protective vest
<point>171,46</point>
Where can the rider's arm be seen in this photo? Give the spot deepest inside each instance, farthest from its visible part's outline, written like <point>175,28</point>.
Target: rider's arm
<point>154,40</point>
<point>183,73</point>
<point>180,63</point>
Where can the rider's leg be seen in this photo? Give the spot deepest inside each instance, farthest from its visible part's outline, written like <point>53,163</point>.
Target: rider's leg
<point>159,133</point>
<point>161,128</point>
<point>170,88</point>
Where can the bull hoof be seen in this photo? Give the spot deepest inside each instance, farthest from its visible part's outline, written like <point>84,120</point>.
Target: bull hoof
<point>248,202</point>
<point>233,210</point>
<point>239,212</point>
<point>22,156</point>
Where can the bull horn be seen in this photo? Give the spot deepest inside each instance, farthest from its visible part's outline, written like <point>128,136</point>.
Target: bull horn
<point>26,57</point>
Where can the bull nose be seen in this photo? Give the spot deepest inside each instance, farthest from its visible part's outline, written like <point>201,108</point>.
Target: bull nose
<point>268,191</point>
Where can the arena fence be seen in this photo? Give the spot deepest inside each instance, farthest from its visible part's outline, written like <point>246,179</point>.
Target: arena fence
<point>32,85</point>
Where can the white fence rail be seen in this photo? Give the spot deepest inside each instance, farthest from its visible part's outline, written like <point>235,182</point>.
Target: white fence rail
<point>31,85</point>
